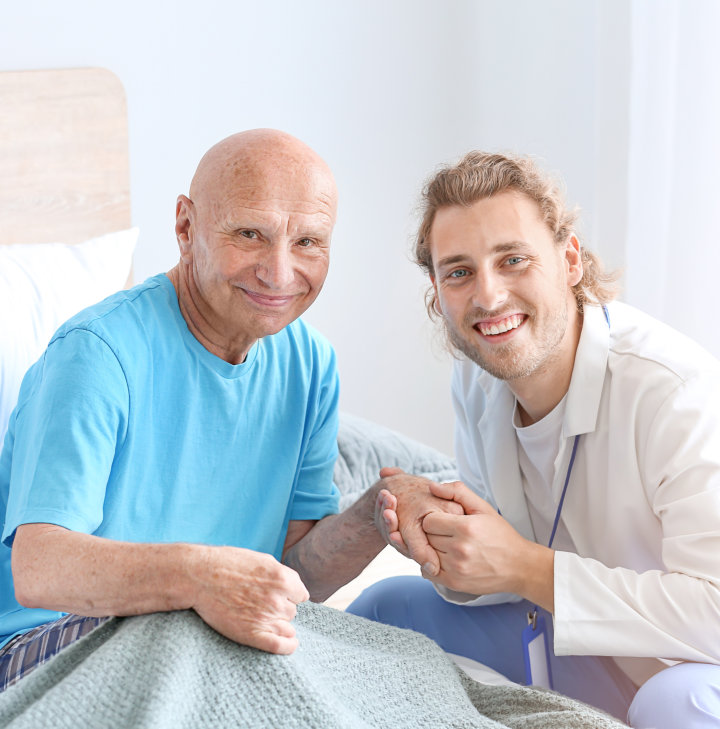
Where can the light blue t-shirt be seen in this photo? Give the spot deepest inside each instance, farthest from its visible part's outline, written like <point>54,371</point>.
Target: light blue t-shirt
<point>128,428</point>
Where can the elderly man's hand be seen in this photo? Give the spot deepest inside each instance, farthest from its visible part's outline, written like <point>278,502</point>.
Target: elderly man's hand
<point>249,597</point>
<point>402,504</point>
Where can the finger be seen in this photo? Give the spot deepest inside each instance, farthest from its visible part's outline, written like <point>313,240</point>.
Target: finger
<point>457,491</point>
<point>441,544</point>
<point>388,471</point>
<point>283,628</point>
<point>386,520</point>
<point>295,589</point>
<point>395,539</point>
<point>389,501</point>
<point>390,519</point>
<point>420,550</point>
<point>440,524</point>
<point>272,642</point>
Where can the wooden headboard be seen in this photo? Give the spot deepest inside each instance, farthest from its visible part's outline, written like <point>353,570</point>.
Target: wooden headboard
<point>64,169</point>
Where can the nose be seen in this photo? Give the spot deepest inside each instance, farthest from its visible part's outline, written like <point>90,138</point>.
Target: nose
<point>490,291</point>
<point>275,268</point>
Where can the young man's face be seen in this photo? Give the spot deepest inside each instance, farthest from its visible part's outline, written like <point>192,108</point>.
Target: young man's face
<point>504,286</point>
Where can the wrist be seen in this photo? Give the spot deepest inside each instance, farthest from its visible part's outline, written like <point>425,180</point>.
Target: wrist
<point>537,576</point>
<point>193,570</point>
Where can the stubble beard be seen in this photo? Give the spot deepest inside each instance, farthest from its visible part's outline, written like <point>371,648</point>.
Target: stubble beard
<point>510,361</point>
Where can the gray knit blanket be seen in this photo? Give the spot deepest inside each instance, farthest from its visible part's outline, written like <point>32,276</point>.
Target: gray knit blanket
<point>170,670</point>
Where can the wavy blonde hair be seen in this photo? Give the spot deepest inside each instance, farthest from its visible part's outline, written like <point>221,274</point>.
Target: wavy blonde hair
<point>480,175</point>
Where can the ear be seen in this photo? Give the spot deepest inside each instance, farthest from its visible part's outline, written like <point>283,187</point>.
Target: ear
<point>183,227</point>
<point>573,260</point>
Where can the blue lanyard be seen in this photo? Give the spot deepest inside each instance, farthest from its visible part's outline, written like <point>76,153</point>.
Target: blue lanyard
<point>564,491</point>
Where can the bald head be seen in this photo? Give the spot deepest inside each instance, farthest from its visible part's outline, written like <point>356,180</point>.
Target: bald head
<point>266,162</point>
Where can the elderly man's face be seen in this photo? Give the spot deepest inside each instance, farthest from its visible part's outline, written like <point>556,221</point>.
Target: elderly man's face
<point>504,286</point>
<point>259,244</point>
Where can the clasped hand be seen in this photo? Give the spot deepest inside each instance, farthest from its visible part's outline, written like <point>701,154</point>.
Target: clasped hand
<point>459,539</point>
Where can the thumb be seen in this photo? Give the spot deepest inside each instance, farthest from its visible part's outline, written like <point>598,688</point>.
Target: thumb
<point>458,492</point>
<point>387,471</point>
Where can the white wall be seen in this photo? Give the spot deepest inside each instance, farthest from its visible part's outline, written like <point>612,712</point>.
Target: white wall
<point>385,90</point>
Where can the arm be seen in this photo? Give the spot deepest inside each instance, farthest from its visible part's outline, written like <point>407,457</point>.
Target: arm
<point>332,551</point>
<point>247,596</point>
<point>653,588</point>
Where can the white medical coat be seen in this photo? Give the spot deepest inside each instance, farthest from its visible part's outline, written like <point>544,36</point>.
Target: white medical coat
<point>643,502</point>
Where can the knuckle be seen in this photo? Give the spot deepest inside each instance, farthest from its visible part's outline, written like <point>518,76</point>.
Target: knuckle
<point>273,643</point>
<point>465,530</point>
<point>280,605</point>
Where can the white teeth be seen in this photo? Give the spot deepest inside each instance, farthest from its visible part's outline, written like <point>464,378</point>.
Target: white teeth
<point>512,322</point>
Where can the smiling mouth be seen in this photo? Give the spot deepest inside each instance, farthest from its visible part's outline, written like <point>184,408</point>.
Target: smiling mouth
<point>501,326</point>
<point>265,300</point>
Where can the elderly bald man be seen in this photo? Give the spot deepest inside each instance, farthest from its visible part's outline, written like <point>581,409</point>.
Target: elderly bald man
<point>174,446</point>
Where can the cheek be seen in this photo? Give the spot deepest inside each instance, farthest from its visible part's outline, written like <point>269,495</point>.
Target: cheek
<point>453,298</point>
<point>315,271</point>
<point>231,264</point>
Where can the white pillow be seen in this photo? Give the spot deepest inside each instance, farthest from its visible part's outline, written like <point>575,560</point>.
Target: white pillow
<point>44,284</point>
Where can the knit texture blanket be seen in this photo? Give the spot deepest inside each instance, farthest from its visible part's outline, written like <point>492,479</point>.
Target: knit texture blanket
<point>170,670</point>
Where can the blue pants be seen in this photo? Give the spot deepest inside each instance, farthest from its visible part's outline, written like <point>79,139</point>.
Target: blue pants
<point>686,696</point>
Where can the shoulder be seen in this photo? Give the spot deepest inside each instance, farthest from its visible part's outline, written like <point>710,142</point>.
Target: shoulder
<point>149,294</point>
<point>118,319</point>
<point>647,347</point>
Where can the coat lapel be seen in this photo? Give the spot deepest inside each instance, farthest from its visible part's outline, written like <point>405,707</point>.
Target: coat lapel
<point>499,444</point>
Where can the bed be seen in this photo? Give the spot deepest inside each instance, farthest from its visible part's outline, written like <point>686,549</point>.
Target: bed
<point>66,241</point>
<point>65,235</point>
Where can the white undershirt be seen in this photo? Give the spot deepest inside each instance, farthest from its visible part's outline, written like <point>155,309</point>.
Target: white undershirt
<point>538,447</point>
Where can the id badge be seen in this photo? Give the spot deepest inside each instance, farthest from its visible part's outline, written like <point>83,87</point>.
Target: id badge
<point>536,652</point>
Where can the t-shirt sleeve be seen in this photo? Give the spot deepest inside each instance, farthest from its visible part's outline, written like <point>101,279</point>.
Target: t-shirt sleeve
<point>70,422</point>
<point>316,495</point>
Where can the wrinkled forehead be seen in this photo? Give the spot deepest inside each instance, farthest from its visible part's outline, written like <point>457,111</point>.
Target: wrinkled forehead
<point>269,176</point>
<point>304,188</point>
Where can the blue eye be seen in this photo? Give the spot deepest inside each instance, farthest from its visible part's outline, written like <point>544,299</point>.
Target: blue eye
<point>514,260</point>
<point>459,273</point>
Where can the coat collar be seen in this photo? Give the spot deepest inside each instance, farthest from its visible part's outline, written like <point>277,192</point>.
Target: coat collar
<point>499,443</point>
<point>588,377</point>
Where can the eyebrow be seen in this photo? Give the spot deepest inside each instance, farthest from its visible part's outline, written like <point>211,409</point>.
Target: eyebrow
<point>451,260</point>
<point>508,247</point>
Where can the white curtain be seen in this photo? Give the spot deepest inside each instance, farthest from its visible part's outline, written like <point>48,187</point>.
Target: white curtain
<point>673,238</point>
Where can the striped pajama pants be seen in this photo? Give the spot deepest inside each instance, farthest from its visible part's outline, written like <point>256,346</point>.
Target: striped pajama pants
<point>29,650</point>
